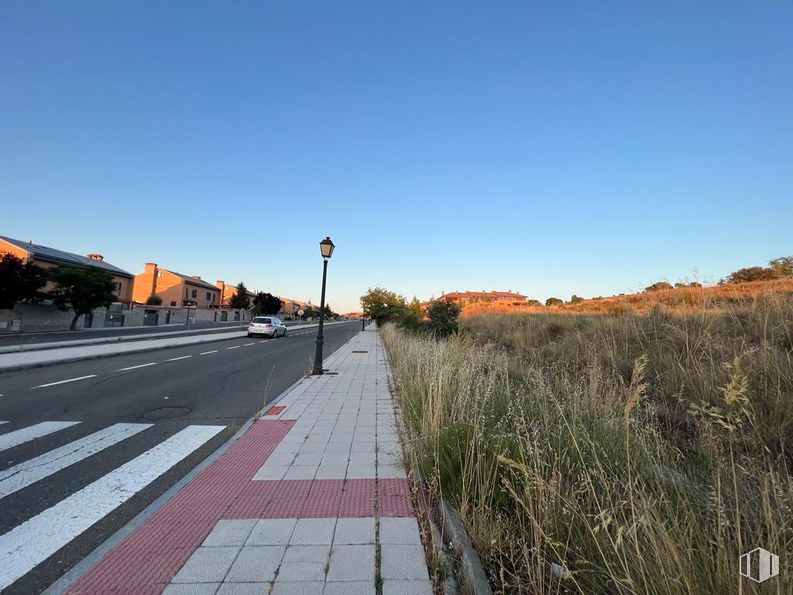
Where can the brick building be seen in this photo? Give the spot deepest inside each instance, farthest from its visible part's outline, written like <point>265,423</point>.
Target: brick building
<point>47,257</point>
<point>175,289</point>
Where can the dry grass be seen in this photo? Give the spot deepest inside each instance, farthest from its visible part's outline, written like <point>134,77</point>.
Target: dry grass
<point>679,300</point>
<point>602,454</point>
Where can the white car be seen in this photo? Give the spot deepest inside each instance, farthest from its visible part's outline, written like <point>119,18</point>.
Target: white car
<point>267,325</point>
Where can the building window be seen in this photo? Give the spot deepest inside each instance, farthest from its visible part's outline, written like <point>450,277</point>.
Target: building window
<point>208,294</point>
<point>195,293</point>
<point>173,303</point>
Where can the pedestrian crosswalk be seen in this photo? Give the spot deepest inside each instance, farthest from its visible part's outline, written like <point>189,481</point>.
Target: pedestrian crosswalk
<point>24,546</point>
<point>23,435</point>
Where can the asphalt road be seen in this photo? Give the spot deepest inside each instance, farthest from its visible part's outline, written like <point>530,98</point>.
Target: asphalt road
<point>222,383</point>
<point>28,338</point>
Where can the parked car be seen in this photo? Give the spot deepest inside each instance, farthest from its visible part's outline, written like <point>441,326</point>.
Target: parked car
<point>267,325</point>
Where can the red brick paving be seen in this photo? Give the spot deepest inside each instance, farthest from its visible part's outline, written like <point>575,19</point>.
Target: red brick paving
<point>150,557</point>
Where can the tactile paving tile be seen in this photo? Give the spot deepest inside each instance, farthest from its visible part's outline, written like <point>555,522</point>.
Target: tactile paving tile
<point>155,551</point>
<point>393,497</point>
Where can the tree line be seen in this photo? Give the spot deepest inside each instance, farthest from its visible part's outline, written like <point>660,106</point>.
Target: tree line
<point>382,306</point>
<point>82,289</point>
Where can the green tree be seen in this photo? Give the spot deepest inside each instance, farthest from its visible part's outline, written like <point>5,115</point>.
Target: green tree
<point>240,300</point>
<point>576,299</point>
<point>553,301</point>
<point>309,312</point>
<point>267,304</point>
<point>443,317</point>
<point>19,280</point>
<point>82,289</point>
<point>415,308</point>
<point>154,300</point>
<point>382,305</point>
<point>750,274</point>
<point>533,303</point>
<point>782,266</point>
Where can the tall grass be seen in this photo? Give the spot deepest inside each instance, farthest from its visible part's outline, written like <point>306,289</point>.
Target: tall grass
<point>598,454</point>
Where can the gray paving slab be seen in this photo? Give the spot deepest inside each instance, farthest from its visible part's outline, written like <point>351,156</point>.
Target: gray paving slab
<point>405,562</point>
<point>207,565</point>
<point>397,587</point>
<point>313,532</point>
<point>256,564</point>
<point>350,588</point>
<point>192,589</point>
<point>352,563</point>
<point>354,531</point>
<point>271,532</point>
<point>229,532</point>
<point>404,531</point>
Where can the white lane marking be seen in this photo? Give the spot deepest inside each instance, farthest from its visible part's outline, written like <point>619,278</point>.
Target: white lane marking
<point>35,540</point>
<point>64,381</point>
<point>2,422</point>
<point>234,347</point>
<point>24,474</point>
<point>246,345</point>
<point>208,352</point>
<point>136,367</point>
<point>23,435</point>
<point>174,359</point>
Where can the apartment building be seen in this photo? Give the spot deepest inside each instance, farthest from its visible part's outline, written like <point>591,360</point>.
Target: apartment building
<point>501,297</point>
<point>47,257</point>
<point>174,288</point>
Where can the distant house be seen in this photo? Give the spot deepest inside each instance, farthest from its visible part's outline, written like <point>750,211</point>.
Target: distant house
<point>175,289</point>
<point>500,297</point>
<point>47,257</point>
<point>229,291</point>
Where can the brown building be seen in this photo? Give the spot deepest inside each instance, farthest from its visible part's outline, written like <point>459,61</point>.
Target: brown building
<point>500,297</point>
<point>229,291</point>
<point>46,258</point>
<point>175,289</point>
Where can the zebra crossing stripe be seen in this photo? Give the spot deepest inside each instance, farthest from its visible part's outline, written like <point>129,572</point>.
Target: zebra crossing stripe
<point>23,435</point>
<point>29,544</point>
<point>24,474</point>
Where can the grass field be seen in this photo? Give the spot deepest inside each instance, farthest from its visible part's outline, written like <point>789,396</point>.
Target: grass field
<point>611,454</point>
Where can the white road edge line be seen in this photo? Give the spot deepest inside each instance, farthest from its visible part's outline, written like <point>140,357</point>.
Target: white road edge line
<point>174,359</point>
<point>136,367</point>
<point>64,381</point>
<point>208,352</point>
<point>29,544</point>
<point>22,475</point>
<point>29,433</point>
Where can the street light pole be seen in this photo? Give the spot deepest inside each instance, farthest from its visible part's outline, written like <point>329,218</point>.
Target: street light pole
<point>326,248</point>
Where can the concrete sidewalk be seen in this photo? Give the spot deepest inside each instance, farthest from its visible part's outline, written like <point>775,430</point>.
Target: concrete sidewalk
<point>46,357</point>
<point>311,499</point>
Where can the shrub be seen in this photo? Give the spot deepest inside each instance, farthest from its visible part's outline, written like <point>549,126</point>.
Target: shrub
<point>752,274</point>
<point>658,286</point>
<point>154,300</point>
<point>553,301</point>
<point>443,317</point>
<point>576,299</point>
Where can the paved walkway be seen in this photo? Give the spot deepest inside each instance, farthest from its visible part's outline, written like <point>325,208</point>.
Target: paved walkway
<point>312,499</point>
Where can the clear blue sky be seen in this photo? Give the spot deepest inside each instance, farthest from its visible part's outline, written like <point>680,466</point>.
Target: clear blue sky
<point>551,148</point>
